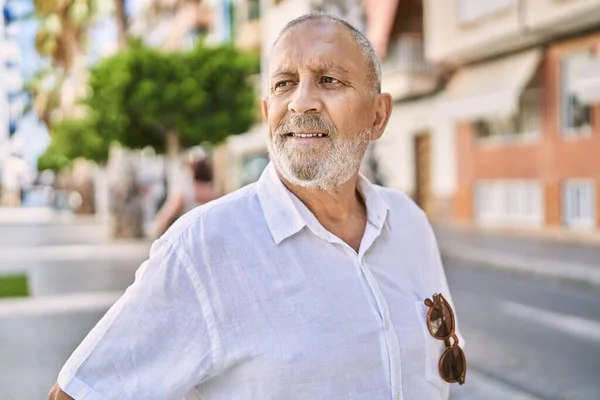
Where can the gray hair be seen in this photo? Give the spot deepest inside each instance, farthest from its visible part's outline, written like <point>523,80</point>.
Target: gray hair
<point>372,61</point>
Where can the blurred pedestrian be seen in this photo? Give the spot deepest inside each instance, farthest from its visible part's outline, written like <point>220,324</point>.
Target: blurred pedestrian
<point>312,283</point>
<point>194,188</point>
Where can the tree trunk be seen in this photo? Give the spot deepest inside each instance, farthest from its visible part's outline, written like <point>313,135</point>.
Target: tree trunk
<point>173,148</point>
<point>127,200</point>
<point>121,17</point>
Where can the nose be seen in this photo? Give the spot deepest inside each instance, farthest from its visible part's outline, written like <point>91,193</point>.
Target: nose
<point>305,99</point>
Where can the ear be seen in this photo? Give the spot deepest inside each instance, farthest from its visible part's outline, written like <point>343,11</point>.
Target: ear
<point>264,107</point>
<point>383,111</point>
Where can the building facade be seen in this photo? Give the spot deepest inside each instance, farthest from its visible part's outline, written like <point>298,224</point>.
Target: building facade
<point>175,24</point>
<point>524,102</point>
<point>12,104</point>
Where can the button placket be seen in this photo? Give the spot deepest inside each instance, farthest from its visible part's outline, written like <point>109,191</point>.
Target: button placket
<point>391,338</point>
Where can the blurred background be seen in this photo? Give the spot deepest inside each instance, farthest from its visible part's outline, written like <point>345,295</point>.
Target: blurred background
<point>116,116</point>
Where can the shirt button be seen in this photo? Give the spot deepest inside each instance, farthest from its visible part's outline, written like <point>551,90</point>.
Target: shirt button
<point>397,394</point>
<point>386,323</point>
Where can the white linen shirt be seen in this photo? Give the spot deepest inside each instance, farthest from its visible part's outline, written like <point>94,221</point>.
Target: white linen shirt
<point>249,297</point>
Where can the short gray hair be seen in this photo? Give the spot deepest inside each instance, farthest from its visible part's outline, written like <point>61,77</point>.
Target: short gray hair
<point>372,61</point>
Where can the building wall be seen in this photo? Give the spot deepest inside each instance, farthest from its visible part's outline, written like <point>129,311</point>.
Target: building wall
<point>165,24</point>
<point>518,24</point>
<point>552,158</point>
<point>550,14</point>
<point>447,37</point>
<point>570,157</point>
<point>396,152</point>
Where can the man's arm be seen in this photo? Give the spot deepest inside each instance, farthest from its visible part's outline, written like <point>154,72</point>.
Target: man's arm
<point>169,212</point>
<point>56,393</point>
<point>159,326</point>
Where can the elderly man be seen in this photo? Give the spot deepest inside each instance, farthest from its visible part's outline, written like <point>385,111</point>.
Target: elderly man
<point>310,284</point>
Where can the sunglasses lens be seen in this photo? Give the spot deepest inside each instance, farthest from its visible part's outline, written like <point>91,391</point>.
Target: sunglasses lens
<point>440,321</point>
<point>452,364</point>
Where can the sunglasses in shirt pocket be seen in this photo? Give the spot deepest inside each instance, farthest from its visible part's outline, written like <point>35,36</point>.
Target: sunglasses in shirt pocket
<point>434,349</point>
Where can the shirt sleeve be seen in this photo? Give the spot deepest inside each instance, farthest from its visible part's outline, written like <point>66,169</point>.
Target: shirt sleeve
<point>155,342</point>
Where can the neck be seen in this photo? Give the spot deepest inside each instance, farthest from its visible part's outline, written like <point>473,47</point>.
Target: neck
<point>330,206</point>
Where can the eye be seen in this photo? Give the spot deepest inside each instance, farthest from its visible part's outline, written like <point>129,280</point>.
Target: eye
<point>328,79</point>
<point>282,84</point>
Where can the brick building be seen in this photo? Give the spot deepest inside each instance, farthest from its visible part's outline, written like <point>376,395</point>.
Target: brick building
<point>525,105</point>
<point>510,136</point>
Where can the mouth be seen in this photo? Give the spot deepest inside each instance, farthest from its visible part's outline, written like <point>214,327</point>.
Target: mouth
<point>307,135</point>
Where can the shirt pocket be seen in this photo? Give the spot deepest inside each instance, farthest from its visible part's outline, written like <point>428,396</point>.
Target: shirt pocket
<point>434,348</point>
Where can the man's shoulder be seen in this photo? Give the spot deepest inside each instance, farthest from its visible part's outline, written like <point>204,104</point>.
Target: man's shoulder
<point>217,214</point>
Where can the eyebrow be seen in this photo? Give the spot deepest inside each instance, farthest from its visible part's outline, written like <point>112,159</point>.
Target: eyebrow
<point>319,68</point>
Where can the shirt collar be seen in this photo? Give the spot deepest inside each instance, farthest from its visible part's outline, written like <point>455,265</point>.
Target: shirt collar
<point>377,207</point>
<point>282,216</point>
<point>286,215</point>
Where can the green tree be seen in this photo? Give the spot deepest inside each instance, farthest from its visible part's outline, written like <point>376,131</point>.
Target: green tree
<point>71,139</point>
<point>143,96</point>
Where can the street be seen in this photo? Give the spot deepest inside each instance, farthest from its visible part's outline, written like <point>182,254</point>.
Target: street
<point>527,338</point>
<point>536,336</point>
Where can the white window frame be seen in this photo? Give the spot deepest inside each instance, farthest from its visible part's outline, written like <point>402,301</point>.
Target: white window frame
<point>473,10</point>
<point>564,89</point>
<point>579,204</point>
<point>509,202</point>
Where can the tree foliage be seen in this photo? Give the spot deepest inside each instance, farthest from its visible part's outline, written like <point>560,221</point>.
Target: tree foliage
<point>139,95</point>
<point>72,139</point>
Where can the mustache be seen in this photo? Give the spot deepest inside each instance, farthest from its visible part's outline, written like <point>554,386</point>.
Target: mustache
<point>305,122</point>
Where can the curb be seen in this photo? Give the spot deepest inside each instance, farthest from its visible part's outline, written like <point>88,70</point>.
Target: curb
<point>24,259</point>
<point>58,304</point>
<point>574,272</point>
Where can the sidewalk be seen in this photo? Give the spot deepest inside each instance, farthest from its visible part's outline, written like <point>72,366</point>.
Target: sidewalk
<point>562,260</point>
<point>23,216</point>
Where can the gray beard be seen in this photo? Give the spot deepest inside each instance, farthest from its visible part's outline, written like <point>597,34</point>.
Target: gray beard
<point>316,167</point>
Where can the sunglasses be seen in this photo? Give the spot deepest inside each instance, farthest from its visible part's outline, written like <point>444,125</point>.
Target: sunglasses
<point>441,325</point>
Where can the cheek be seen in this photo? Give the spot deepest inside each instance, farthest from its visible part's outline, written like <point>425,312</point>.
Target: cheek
<point>349,117</point>
<point>277,112</point>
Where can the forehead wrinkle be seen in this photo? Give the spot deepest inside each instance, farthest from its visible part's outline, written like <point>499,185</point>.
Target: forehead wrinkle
<point>315,67</point>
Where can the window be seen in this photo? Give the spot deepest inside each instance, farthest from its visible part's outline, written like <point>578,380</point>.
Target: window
<point>575,117</point>
<point>524,125</point>
<point>579,201</point>
<point>472,10</point>
<point>253,10</point>
<point>509,202</point>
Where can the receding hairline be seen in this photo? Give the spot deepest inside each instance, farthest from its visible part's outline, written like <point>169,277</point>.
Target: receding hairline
<point>371,60</point>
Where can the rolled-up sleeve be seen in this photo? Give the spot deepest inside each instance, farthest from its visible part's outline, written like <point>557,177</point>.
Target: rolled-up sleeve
<point>156,342</point>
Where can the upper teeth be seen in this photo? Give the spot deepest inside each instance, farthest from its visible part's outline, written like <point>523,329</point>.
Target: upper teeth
<point>308,135</point>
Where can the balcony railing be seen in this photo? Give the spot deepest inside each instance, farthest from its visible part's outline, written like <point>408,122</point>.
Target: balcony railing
<point>406,54</point>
